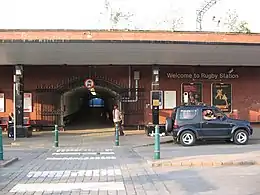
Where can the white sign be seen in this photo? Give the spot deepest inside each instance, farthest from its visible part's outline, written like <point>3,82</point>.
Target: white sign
<point>89,83</point>
<point>27,102</point>
<point>170,99</point>
<point>2,102</point>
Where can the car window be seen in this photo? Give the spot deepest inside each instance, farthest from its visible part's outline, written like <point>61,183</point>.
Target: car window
<point>187,114</point>
<point>219,113</point>
<point>208,114</point>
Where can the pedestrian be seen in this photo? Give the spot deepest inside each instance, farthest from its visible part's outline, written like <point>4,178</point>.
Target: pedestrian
<point>11,118</point>
<point>117,119</point>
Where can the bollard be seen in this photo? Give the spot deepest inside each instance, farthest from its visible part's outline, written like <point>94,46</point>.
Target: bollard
<point>1,145</point>
<point>117,136</point>
<point>56,136</point>
<point>157,143</point>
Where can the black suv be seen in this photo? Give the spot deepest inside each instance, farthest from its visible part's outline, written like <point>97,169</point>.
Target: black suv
<point>190,123</point>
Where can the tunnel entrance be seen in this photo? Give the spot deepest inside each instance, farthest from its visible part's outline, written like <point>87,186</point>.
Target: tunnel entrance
<point>71,105</point>
<point>85,109</point>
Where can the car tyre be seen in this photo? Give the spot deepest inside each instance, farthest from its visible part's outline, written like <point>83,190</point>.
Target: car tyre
<point>241,137</point>
<point>187,138</point>
<point>168,125</point>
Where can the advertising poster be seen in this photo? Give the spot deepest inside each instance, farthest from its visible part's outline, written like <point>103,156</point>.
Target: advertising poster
<point>222,96</point>
<point>191,93</point>
<point>27,102</point>
<point>2,102</point>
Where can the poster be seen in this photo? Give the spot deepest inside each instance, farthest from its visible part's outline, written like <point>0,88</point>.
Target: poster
<point>221,95</point>
<point>191,93</point>
<point>160,99</point>
<point>2,102</point>
<point>27,102</point>
<point>169,99</point>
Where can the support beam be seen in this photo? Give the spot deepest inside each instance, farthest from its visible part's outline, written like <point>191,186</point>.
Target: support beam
<point>18,100</point>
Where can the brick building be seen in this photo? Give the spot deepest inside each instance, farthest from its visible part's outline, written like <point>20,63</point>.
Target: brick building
<point>56,64</point>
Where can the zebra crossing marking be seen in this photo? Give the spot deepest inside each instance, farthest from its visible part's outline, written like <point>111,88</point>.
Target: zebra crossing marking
<point>83,150</point>
<point>62,187</point>
<point>83,158</point>
<point>81,153</point>
<point>75,173</point>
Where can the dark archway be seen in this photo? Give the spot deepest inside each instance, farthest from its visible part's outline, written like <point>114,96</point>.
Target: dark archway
<point>84,109</point>
<point>49,98</point>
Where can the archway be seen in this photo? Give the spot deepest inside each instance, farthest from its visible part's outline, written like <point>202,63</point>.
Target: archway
<point>83,109</point>
<point>51,109</point>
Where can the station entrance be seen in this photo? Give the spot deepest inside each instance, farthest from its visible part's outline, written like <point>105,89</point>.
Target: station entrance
<point>73,106</point>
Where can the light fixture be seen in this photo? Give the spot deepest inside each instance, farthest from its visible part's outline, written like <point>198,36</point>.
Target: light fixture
<point>93,92</point>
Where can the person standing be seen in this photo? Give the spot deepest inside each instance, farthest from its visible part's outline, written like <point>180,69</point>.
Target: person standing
<point>11,118</point>
<point>117,119</point>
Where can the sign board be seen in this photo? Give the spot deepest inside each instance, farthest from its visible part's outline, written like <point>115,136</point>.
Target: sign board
<point>2,102</point>
<point>170,100</point>
<point>191,92</point>
<point>221,96</point>
<point>27,102</point>
<point>89,83</point>
<point>156,95</point>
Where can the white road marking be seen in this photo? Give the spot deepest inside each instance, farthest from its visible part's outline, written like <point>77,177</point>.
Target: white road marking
<point>83,158</point>
<point>81,153</point>
<point>75,173</point>
<point>84,150</point>
<point>62,187</point>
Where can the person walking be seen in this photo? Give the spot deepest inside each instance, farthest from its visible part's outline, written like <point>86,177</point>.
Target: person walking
<point>117,119</point>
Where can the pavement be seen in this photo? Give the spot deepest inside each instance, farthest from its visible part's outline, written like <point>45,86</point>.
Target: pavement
<point>93,165</point>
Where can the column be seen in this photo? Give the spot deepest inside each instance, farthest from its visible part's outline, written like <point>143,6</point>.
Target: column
<point>18,103</point>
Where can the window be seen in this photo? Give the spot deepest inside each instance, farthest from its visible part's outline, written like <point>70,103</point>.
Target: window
<point>208,114</point>
<point>188,114</point>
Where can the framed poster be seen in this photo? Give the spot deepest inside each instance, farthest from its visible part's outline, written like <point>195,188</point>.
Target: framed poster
<point>160,99</point>
<point>221,96</point>
<point>27,102</point>
<point>191,93</point>
<point>170,99</point>
<point>2,102</point>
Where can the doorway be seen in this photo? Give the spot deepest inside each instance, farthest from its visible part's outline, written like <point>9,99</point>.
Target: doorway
<point>85,109</point>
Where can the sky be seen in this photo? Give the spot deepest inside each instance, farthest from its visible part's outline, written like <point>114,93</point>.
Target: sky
<point>146,14</point>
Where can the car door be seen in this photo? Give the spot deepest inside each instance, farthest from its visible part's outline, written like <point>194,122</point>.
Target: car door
<point>218,127</point>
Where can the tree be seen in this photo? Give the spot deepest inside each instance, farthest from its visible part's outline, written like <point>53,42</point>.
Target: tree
<point>233,24</point>
<point>115,16</point>
<point>176,23</point>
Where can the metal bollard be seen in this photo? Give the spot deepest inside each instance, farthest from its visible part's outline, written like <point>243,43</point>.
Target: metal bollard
<point>157,143</point>
<point>1,145</point>
<point>56,136</point>
<point>117,135</point>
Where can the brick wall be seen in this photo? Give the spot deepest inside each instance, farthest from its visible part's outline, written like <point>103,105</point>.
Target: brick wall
<point>246,96</point>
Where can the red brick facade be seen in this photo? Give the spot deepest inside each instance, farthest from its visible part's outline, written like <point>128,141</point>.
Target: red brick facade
<point>245,93</point>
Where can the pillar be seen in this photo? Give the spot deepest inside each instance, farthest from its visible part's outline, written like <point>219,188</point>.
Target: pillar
<point>18,99</point>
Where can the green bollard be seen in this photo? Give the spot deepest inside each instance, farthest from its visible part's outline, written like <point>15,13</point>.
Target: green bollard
<point>1,145</point>
<point>56,136</point>
<point>157,143</point>
<point>117,136</point>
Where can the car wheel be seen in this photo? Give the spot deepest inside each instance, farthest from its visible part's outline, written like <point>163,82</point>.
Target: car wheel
<point>168,125</point>
<point>241,137</point>
<point>187,138</point>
